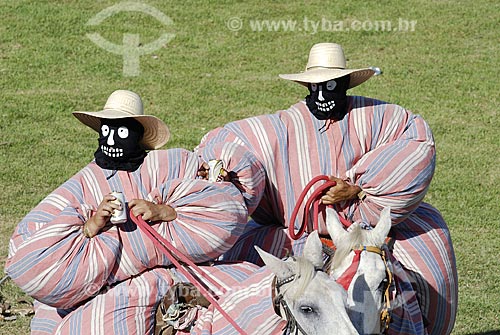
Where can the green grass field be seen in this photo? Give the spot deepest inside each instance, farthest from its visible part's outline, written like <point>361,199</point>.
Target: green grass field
<point>440,59</point>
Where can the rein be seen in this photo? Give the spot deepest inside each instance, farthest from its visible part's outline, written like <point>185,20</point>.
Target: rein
<point>315,201</point>
<point>385,316</point>
<point>178,259</point>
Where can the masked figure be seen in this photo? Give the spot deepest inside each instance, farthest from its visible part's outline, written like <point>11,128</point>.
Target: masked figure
<point>69,256</point>
<point>378,153</point>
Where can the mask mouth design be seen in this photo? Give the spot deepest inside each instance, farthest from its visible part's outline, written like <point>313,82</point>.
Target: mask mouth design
<point>112,152</point>
<point>325,106</point>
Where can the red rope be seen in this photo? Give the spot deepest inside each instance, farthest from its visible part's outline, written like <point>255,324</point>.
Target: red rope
<point>176,257</point>
<point>315,201</point>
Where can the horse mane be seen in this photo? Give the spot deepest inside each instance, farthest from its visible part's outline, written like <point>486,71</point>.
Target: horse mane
<point>304,273</point>
<point>344,247</point>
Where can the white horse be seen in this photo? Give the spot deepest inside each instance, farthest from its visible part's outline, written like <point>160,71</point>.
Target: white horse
<point>295,289</point>
<point>309,299</point>
<point>366,278</point>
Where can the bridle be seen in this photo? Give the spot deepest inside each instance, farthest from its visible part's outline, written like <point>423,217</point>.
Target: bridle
<point>278,301</point>
<point>314,201</point>
<point>292,325</point>
<point>346,278</point>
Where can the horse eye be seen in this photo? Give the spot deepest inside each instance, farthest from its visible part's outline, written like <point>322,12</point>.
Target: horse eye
<point>307,309</point>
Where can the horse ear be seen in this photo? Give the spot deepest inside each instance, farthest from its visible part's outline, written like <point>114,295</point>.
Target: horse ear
<point>334,226</point>
<point>313,250</point>
<point>383,226</point>
<point>280,268</point>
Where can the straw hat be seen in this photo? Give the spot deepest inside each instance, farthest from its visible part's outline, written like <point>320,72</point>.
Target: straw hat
<point>127,104</point>
<point>327,62</point>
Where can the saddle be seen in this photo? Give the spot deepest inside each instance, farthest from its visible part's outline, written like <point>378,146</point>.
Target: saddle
<point>178,309</point>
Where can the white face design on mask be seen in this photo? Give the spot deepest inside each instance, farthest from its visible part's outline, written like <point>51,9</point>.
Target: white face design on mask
<point>110,133</point>
<point>324,97</point>
<point>327,100</point>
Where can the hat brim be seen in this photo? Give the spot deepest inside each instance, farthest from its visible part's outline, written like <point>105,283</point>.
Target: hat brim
<point>320,75</point>
<point>156,132</point>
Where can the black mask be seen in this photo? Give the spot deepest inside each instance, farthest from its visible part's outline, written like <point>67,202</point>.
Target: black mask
<point>119,147</point>
<point>328,100</point>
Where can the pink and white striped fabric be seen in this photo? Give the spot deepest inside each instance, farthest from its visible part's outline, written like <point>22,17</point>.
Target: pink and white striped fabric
<point>249,303</point>
<point>112,283</point>
<point>51,260</point>
<point>383,148</point>
<point>129,307</point>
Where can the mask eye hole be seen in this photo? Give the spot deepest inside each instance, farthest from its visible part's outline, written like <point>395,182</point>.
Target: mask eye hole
<point>330,85</point>
<point>105,130</point>
<point>314,87</point>
<point>123,132</point>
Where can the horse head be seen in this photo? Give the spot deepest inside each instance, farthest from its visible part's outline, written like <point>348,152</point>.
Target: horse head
<point>307,297</point>
<point>359,264</point>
